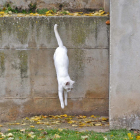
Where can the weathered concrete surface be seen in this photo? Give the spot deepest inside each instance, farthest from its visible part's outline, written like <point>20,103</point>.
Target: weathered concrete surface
<point>27,75</point>
<point>66,4</point>
<point>125,65</point>
<point>107,5</point>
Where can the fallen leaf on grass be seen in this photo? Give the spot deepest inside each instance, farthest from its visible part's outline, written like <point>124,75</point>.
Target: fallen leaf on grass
<point>41,137</point>
<point>57,136</point>
<point>22,130</point>
<point>60,130</point>
<point>45,133</point>
<point>2,135</point>
<point>31,134</point>
<point>84,137</point>
<point>10,135</point>
<point>137,137</point>
<point>11,138</point>
<point>129,136</point>
<point>105,138</point>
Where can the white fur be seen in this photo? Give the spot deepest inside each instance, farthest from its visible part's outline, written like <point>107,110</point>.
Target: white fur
<point>61,62</point>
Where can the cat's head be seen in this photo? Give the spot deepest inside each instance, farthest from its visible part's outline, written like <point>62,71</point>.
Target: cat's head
<point>68,86</point>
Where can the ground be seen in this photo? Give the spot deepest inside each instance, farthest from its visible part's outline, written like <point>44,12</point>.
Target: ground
<point>64,127</point>
<point>79,123</point>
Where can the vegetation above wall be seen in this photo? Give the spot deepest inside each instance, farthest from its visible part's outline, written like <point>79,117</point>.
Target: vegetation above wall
<point>33,11</point>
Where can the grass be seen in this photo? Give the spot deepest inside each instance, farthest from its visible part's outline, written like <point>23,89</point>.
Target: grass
<point>42,11</point>
<point>64,134</point>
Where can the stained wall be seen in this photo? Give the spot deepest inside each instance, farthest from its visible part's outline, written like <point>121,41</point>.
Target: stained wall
<point>28,84</point>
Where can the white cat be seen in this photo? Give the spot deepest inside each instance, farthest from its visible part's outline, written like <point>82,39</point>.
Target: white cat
<point>61,62</point>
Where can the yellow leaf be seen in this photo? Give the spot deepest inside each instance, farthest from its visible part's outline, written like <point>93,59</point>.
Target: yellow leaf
<point>1,125</point>
<point>98,124</point>
<point>56,136</point>
<point>65,115</point>
<point>23,124</point>
<point>47,12</point>
<point>82,124</point>
<point>51,11</point>
<point>105,138</point>
<point>80,12</point>
<point>32,126</point>
<point>92,116</point>
<point>10,135</point>
<point>84,137</point>
<point>75,14</point>
<point>71,121</point>
<point>1,13</point>
<point>130,136</point>
<point>89,14</point>
<point>74,125</point>
<point>101,11</point>
<point>104,119</point>
<point>27,118</point>
<point>88,121</point>
<point>137,137</point>
<point>44,116</point>
<point>59,129</point>
<point>96,14</point>
<point>22,130</point>
<point>31,134</point>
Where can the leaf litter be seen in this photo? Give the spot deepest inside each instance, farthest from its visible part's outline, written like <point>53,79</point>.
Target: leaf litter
<point>57,121</point>
<point>58,13</point>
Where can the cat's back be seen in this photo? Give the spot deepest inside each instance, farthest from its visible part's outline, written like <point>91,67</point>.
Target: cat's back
<point>61,60</point>
<point>60,52</point>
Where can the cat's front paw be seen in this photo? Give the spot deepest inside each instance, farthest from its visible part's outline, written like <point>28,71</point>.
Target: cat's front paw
<point>62,106</point>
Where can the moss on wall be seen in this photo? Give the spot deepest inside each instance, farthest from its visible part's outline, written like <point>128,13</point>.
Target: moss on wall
<point>2,63</point>
<point>23,66</point>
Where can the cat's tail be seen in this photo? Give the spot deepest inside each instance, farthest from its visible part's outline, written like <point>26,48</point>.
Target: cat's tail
<point>60,43</point>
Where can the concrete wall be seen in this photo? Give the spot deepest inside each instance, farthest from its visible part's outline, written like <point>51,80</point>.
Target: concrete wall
<point>125,64</point>
<point>67,4</point>
<point>28,84</point>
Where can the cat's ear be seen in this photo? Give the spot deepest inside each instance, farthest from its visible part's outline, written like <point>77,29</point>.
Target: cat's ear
<point>67,83</point>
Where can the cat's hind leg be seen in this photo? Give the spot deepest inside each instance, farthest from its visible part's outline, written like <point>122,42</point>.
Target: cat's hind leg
<point>66,96</point>
<point>60,93</point>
